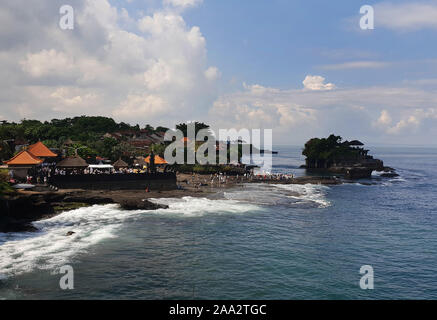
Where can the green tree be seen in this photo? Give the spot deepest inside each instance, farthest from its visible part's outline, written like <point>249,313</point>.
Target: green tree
<point>198,126</point>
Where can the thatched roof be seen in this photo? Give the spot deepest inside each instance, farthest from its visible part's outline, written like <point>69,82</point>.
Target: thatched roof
<point>68,142</point>
<point>73,162</point>
<point>139,161</point>
<point>120,164</point>
<point>356,143</point>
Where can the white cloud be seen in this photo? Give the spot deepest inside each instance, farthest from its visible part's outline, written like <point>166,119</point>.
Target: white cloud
<point>145,105</point>
<point>47,62</point>
<point>406,16</point>
<point>410,122</point>
<point>257,89</point>
<point>384,119</point>
<point>109,64</point>
<point>212,73</point>
<point>183,3</point>
<point>317,83</point>
<point>296,115</point>
<point>356,65</point>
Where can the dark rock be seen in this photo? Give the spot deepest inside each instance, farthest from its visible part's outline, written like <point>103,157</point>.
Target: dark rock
<point>390,175</point>
<point>315,180</point>
<point>25,207</point>
<point>353,172</point>
<point>9,225</point>
<point>88,200</point>
<point>70,233</point>
<point>358,173</point>
<point>140,205</point>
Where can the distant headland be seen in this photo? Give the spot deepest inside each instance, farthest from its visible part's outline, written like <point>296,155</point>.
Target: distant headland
<point>348,158</point>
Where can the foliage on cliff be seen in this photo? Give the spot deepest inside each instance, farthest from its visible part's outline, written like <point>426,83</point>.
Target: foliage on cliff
<point>5,188</point>
<point>86,132</point>
<point>329,149</point>
<point>199,126</point>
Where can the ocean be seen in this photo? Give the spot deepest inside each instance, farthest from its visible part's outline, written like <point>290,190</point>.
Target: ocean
<point>250,242</point>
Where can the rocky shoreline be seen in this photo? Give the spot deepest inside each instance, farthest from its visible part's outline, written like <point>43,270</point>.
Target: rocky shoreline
<point>19,210</point>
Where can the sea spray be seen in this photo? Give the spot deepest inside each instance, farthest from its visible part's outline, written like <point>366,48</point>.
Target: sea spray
<point>51,248</point>
<point>294,195</point>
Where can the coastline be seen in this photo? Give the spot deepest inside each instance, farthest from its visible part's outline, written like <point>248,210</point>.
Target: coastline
<point>24,207</point>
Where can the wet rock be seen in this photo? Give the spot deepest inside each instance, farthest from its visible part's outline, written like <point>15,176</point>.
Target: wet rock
<point>7,225</point>
<point>140,205</point>
<point>70,233</point>
<point>91,200</point>
<point>390,175</point>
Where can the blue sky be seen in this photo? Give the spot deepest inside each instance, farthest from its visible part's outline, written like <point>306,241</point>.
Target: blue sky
<point>278,42</point>
<point>302,68</point>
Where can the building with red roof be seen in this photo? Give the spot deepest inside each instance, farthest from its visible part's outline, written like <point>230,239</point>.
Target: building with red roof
<point>40,150</point>
<point>24,159</point>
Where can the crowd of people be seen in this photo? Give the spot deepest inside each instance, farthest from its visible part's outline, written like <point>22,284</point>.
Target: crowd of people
<point>222,179</point>
<point>273,177</point>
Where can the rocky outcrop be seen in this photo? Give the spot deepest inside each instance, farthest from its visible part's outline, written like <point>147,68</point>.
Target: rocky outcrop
<point>90,200</point>
<point>352,172</point>
<point>18,211</point>
<point>347,158</point>
<point>140,205</point>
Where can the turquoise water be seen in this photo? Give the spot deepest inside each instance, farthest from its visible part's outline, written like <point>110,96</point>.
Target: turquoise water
<point>257,242</point>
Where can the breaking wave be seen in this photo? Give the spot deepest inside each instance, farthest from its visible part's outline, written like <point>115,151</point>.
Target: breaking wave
<point>50,248</point>
<point>294,195</point>
<point>193,207</point>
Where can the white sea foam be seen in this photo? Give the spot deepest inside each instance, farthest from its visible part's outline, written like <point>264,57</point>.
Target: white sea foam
<point>193,207</point>
<point>308,193</point>
<point>377,173</point>
<point>281,194</point>
<point>387,181</point>
<point>50,248</point>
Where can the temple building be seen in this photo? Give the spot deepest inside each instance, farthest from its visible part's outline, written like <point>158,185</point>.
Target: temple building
<point>28,159</point>
<point>41,151</point>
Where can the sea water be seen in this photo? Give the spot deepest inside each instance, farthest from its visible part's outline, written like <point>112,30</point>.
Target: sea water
<point>253,241</point>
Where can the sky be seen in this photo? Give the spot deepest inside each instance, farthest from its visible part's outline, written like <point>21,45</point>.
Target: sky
<point>301,68</point>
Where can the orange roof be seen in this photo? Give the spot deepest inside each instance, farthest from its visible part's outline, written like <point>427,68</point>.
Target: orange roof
<point>24,158</point>
<point>40,150</point>
<point>158,160</point>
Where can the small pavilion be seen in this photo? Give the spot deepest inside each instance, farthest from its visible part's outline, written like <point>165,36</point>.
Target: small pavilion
<point>72,163</point>
<point>120,164</point>
<point>22,162</point>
